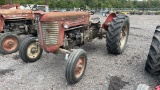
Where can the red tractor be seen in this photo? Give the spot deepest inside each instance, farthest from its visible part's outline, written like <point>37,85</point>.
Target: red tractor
<point>59,32</point>
<point>13,23</point>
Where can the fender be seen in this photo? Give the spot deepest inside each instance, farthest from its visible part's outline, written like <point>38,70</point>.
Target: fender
<point>108,20</point>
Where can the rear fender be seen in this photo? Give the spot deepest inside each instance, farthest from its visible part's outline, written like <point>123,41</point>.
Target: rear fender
<point>108,20</point>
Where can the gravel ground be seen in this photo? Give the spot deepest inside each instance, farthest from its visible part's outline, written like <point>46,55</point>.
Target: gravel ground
<point>126,69</point>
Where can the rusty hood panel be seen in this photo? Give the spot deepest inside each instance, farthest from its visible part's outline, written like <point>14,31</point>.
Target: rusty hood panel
<point>73,18</point>
<point>7,6</point>
<point>16,13</point>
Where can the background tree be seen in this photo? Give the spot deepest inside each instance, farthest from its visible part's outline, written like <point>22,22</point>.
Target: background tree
<point>91,3</point>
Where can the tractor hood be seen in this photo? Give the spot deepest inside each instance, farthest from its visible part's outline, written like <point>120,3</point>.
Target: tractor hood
<point>61,16</point>
<point>70,18</point>
<point>16,13</point>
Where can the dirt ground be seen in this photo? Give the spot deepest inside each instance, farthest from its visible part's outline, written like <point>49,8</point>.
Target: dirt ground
<point>104,71</point>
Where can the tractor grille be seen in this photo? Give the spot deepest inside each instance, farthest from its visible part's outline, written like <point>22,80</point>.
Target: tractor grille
<point>50,33</point>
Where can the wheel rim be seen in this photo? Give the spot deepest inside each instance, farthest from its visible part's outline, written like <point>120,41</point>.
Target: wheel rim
<point>10,44</point>
<point>33,50</point>
<point>79,69</point>
<point>123,36</point>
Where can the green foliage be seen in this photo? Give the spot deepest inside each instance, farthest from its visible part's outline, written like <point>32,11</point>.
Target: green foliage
<point>91,3</point>
<point>3,2</point>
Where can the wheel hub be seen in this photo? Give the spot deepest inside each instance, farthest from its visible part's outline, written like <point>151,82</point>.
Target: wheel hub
<point>123,36</point>
<point>80,67</point>
<point>33,50</point>
<point>10,44</point>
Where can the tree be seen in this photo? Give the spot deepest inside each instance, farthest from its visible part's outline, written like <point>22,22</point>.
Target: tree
<point>91,3</point>
<point>2,2</point>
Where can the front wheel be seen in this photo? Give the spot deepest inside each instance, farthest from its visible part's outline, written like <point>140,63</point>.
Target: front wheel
<point>76,66</point>
<point>117,34</point>
<point>9,43</point>
<point>29,51</point>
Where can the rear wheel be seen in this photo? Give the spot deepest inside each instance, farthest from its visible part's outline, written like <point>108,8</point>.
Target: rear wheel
<point>76,66</point>
<point>153,59</point>
<point>9,43</point>
<point>29,51</point>
<point>117,34</point>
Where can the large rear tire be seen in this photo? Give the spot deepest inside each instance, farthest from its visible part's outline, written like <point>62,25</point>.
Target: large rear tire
<point>9,43</point>
<point>117,34</point>
<point>76,66</point>
<point>153,59</point>
<point>29,51</point>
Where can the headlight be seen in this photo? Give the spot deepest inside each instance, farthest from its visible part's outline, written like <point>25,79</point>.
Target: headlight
<point>65,25</point>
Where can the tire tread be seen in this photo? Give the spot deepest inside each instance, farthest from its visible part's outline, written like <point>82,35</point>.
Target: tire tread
<point>113,32</point>
<point>153,60</point>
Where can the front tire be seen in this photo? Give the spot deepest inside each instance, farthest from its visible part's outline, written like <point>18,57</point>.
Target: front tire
<point>29,51</point>
<point>9,43</point>
<point>117,34</point>
<point>153,59</point>
<point>76,66</point>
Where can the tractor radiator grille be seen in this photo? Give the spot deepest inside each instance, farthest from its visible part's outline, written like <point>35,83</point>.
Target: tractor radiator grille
<point>50,33</point>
